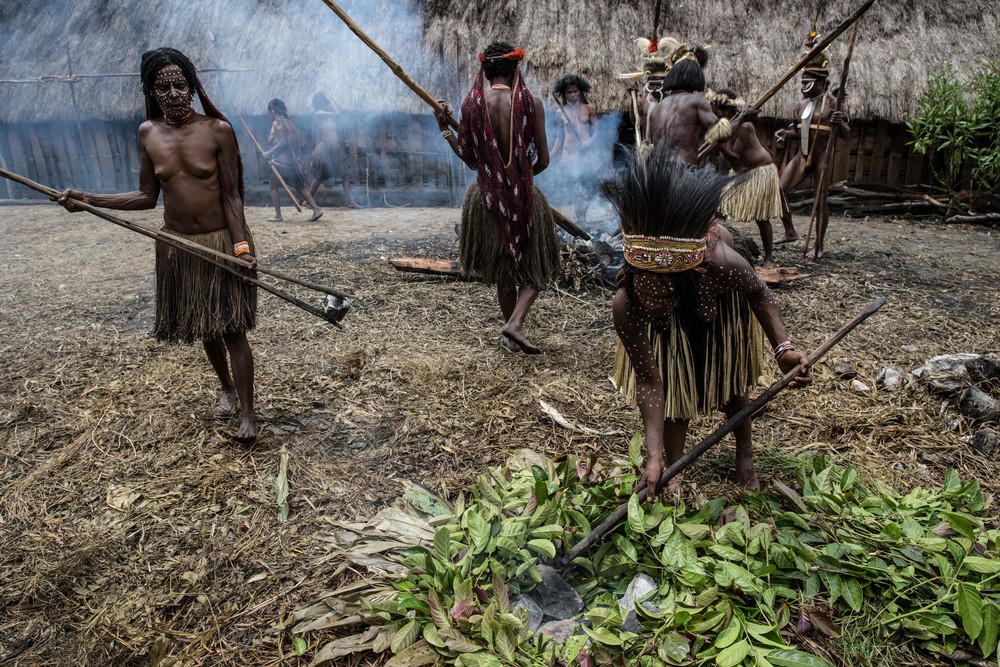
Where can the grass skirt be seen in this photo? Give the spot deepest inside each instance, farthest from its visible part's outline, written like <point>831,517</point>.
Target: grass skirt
<point>326,162</point>
<point>196,300</point>
<point>703,370</point>
<point>482,251</point>
<point>758,197</point>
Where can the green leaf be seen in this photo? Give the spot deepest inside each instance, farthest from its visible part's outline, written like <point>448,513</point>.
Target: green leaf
<point>693,531</point>
<point>852,593</point>
<point>728,636</point>
<point>543,548</point>
<point>636,516</point>
<point>300,645</point>
<point>635,451</point>
<point>969,605</point>
<point>787,657</point>
<point>674,648</point>
<point>479,530</point>
<point>626,548</point>
<point>963,524</point>
<point>991,629</point>
<point>982,565</point>
<point>848,478</point>
<point>603,636</point>
<point>442,544</point>
<point>405,636</point>
<point>734,655</point>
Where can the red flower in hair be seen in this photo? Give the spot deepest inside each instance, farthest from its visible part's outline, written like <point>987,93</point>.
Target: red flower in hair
<point>653,45</point>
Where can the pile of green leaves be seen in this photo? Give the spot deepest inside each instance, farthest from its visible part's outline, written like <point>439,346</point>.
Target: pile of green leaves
<point>738,585</point>
<point>956,124</point>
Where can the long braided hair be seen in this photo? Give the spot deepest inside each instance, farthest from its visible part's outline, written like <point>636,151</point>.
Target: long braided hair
<point>155,60</point>
<point>506,187</point>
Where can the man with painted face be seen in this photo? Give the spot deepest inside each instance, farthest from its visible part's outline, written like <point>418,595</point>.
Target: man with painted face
<point>508,236</point>
<point>817,119</point>
<point>195,161</point>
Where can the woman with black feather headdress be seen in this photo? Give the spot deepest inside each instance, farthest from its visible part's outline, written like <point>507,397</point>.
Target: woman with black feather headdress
<point>688,310</point>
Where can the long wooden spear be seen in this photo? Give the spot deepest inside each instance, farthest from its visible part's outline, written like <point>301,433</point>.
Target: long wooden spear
<point>695,452</point>
<point>393,65</point>
<point>800,63</point>
<point>560,219</point>
<point>234,265</point>
<point>273,168</point>
<point>826,167</point>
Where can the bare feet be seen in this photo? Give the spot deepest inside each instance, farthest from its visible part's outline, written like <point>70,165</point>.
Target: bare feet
<point>247,432</point>
<point>227,403</point>
<point>787,238</point>
<point>509,345</point>
<point>514,334</point>
<point>746,474</point>
<point>317,214</point>
<point>674,487</point>
<point>768,263</point>
<point>814,254</point>
<point>275,220</point>
<point>353,204</point>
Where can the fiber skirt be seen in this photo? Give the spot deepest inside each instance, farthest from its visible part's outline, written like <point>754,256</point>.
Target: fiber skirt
<point>704,366</point>
<point>482,251</point>
<point>196,300</point>
<point>755,197</point>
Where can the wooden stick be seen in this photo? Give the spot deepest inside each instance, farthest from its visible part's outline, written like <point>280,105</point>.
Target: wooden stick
<point>396,69</point>
<point>635,112</point>
<point>695,453</point>
<point>568,225</point>
<point>271,164</point>
<point>227,262</point>
<point>826,167</point>
<point>794,69</point>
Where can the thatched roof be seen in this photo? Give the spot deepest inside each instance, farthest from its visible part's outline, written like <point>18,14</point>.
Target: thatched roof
<point>296,47</point>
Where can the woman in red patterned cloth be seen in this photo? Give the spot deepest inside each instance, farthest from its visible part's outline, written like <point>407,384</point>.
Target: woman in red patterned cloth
<point>508,235</point>
<point>688,311</point>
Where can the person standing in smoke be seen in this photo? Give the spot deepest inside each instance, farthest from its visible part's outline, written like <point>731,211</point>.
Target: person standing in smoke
<point>818,118</point>
<point>285,154</point>
<point>194,159</point>
<point>688,311</point>
<point>507,235</point>
<point>684,118</point>
<point>327,159</point>
<point>572,150</point>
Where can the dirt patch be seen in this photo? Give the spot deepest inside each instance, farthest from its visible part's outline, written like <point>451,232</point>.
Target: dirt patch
<point>132,527</point>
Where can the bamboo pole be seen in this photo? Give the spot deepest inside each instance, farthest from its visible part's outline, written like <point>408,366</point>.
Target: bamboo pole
<point>270,164</point>
<point>393,65</point>
<point>229,263</point>
<point>826,167</point>
<point>695,452</point>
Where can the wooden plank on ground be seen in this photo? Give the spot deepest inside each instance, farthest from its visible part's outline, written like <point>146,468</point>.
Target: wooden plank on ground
<point>435,267</point>
<point>779,275</point>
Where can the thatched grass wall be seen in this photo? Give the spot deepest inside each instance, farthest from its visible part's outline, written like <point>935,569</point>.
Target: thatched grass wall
<point>68,66</point>
<point>296,47</point>
<point>899,44</point>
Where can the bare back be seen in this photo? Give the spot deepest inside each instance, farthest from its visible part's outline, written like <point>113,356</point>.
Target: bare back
<point>680,119</point>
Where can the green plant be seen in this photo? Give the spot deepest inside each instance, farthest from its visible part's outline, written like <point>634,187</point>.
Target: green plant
<point>859,566</point>
<point>940,128</point>
<point>956,124</point>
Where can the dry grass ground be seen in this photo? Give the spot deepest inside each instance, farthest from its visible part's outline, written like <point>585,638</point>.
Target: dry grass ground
<point>132,528</point>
